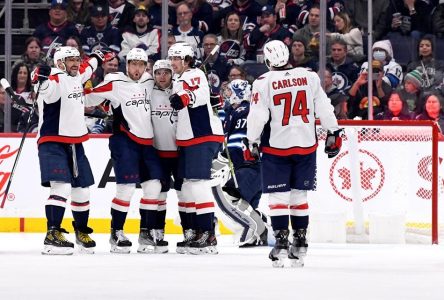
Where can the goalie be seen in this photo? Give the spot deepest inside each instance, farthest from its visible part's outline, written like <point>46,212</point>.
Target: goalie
<point>240,194</point>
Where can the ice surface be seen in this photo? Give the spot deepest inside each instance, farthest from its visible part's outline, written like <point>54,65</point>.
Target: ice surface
<point>332,271</point>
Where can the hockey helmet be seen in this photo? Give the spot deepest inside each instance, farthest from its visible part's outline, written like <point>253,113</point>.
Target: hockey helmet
<point>64,52</point>
<point>240,91</point>
<point>162,64</point>
<point>276,54</point>
<point>136,54</point>
<point>181,50</point>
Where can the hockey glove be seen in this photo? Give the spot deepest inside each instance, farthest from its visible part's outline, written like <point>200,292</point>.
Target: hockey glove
<point>180,100</point>
<point>333,143</point>
<point>216,101</point>
<point>251,152</point>
<point>40,74</point>
<point>102,56</point>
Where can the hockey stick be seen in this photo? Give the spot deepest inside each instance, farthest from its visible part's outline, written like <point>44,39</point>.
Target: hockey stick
<point>8,90</point>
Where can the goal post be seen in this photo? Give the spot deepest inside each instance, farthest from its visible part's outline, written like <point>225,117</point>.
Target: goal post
<point>385,168</point>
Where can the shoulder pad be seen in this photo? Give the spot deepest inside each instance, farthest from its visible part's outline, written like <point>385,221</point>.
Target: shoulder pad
<point>145,76</point>
<point>115,76</point>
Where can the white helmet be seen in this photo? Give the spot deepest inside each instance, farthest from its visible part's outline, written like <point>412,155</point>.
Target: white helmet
<point>181,50</point>
<point>136,54</point>
<point>240,91</point>
<point>64,52</point>
<point>162,64</point>
<point>276,54</point>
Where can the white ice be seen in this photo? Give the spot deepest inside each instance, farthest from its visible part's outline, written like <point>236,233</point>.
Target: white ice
<point>332,271</point>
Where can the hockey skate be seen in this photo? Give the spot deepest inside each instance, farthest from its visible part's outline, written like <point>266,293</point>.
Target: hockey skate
<point>298,248</point>
<point>83,240</point>
<point>147,241</point>
<point>56,243</point>
<point>280,249</point>
<point>205,243</point>
<point>183,247</point>
<point>119,242</point>
<point>161,244</point>
<point>261,241</point>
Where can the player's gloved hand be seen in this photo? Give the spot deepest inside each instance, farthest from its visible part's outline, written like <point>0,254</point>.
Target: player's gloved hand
<point>216,100</point>
<point>40,74</point>
<point>333,143</point>
<point>102,56</point>
<point>180,100</point>
<point>251,152</point>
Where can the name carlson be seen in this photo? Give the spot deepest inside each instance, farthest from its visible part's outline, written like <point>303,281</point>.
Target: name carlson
<point>286,83</point>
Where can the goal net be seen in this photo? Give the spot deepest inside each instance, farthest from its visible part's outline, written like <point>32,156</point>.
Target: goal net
<point>383,186</point>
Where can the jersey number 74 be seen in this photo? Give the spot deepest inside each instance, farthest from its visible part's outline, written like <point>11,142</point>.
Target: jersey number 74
<point>299,106</point>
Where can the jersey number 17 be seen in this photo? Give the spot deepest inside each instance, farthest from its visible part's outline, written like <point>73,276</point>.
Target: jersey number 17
<point>299,105</point>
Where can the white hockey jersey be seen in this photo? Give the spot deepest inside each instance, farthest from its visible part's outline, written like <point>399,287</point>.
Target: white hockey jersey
<point>130,101</point>
<point>283,109</point>
<point>164,119</point>
<point>61,105</point>
<point>392,73</point>
<point>197,123</point>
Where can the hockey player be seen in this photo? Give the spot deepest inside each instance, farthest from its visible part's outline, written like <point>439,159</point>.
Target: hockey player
<point>135,159</point>
<point>62,129</point>
<point>282,119</point>
<point>164,119</point>
<point>199,136</point>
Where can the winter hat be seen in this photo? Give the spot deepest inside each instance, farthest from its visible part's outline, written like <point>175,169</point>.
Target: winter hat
<point>414,77</point>
<point>301,39</point>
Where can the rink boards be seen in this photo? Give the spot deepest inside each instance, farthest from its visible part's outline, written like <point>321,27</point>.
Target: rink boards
<point>381,190</point>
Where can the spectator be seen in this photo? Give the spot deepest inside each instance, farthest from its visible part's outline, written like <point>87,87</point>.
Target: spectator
<point>231,40</point>
<point>2,108</point>
<point>288,12</point>
<point>171,39</point>
<point>141,35</point>
<point>269,30</point>
<point>184,31</point>
<point>298,55</point>
<point>155,14</point>
<point>350,35</point>
<point>33,54</point>
<point>58,28</point>
<point>202,14</point>
<point>333,7</point>
<point>78,13</point>
<point>74,41</point>
<point>358,9</point>
<point>345,71</point>
<point>216,67</point>
<point>338,98</point>
<point>311,30</point>
<point>412,91</point>
<point>21,84</point>
<point>121,13</point>
<point>433,110</point>
<point>438,20</point>
<point>100,34</point>
<point>397,109</point>
<point>248,10</point>
<point>431,69</point>
<point>382,52</point>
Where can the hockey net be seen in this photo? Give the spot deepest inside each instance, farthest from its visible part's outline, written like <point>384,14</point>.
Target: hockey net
<point>385,168</point>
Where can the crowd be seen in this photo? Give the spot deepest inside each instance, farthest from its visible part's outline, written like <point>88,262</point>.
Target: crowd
<point>241,27</point>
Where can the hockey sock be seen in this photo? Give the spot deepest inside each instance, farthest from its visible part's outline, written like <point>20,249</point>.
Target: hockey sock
<point>204,222</point>
<point>160,220</point>
<point>279,222</point>
<point>55,209</point>
<point>191,219</point>
<point>184,220</point>
<point>81,218</point>
<point>300,222</point>
<point>148,218</point>
<point>117,219</point>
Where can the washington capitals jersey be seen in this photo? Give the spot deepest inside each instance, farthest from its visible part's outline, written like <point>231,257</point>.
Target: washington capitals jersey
<point>284,106</point>
<point>235,127</point>
<point>61,105</point>
<point>164,119</point>
<point>196,122</point>
<point>130,101</point>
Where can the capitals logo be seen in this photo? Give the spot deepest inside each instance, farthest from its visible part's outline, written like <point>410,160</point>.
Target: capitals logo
<point>371,172</point>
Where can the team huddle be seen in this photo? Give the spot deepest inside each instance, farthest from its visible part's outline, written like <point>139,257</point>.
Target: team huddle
<point>165,129</point>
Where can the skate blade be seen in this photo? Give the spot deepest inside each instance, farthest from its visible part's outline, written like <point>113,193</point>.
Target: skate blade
<point>278,263</point>
<point>182,250</point>
<point>120,250</point>
<point>148,249</point>
<point>85,250</point>
<point>212,250</point>
<point>297,263</point>
<point>52,250</point>
<point>161,250</point>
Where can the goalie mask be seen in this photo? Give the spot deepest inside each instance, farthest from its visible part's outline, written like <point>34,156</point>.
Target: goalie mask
<point>276,54</point>
<point>240,91</point>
